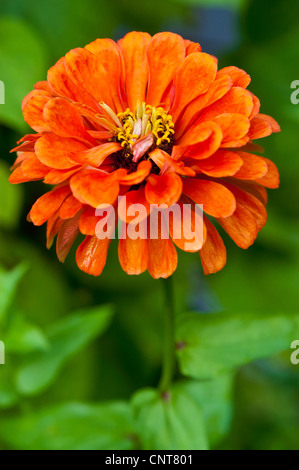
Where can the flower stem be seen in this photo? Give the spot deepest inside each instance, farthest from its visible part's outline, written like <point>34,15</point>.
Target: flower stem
<point>169,339</point>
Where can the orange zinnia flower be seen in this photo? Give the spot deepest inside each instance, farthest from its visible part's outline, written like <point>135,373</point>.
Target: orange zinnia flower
<point>152,118</point>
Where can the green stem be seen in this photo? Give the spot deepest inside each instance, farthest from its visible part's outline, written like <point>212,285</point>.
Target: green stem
<point>169,339</point>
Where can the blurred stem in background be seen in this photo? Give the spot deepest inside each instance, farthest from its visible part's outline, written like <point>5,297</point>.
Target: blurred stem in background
<point>168,365</point>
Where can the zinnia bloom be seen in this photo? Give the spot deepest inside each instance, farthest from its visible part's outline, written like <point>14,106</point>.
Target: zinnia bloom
<point>154,119</point>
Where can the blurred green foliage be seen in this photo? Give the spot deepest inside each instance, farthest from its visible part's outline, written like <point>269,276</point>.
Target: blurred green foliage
<point>82,352</point>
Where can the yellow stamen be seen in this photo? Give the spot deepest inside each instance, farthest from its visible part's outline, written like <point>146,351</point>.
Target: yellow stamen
<point>147,118</point>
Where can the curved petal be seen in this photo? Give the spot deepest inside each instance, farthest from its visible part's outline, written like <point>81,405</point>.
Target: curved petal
<point>213,253</point>
<point>239,76</point>
<point>133,47</point>
<point>70,207</point>
<point>234,127</point>
<point>62,85</point>
<point>222,163</point>
<point>33,168</point>
<point>66,237</point>
<point>163,189</point>
<point>128,179</point>
<point>133,254</point>
<point>241,227</point>
<point>110,57</point>
<point>130,204</point>
<point>91,255</point>
<point>58,152</point>
<point>253,167</point>
<point>64,120</point>
<point>192,112</point>
<point>216,199</point>
<point>86,71</point>
<point>48,204</point>
<point>162,258</point>
<point>33,110</point>
<point>166,51</point>
<point>186,226</point>
<point>94,187</point>
<point>236,100</point>
<point>193,78</point>
<point>271,178</point>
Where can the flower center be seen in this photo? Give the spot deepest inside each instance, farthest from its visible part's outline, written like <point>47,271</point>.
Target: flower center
<point>147,120</point>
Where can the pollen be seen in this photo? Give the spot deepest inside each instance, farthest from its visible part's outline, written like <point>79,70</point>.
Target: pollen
<point>146,120</point>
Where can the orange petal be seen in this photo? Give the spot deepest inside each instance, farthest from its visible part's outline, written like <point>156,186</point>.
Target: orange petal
<point>91,255</point>
<point>88,221</point>
<point>259,127</point>
<point>221,163</point>
<point>192,47</point>
<point>133,47</point>
<point>62,85</point>
<point>253,167</point>
<point>17,176</point>
<point>66,238</point>
<point>48,204</point>
<point>33,110</point>
<point>168,164</point>
<point>54,224</point>
<point>234,127</point>
<point>33,168</point>
<point>213,253</point>
<point>166,51</point>
<point>208,136</point>
<point>96,156</point>
<point>133,254</point>
<point>194,77</point>
<point>86,70</point>
<point>236,100</point>
<point>143,170</point>
<point>162,258</point>
<point>128,206</point>
<point>163,189</point>
<point>239,76</point>
<point>251,203</point>
<point>64,120</point>
<point>94,187</point>
<point>271,178</point>
<point>58,152</point>
<point>241,227</point>
<point>274,124</point>
<point>191,113</point>
<point>110,57</point>
<point>70,207</point>
<point>60,176</point>
<point>186,226</point>
<point>217,200</point>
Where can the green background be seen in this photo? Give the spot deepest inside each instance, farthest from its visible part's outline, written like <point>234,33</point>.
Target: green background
<point>82,352</point>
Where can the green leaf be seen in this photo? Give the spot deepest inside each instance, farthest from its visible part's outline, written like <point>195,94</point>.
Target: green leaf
<point>66,338</point>
<point>8,285</point>
<point>173,421</point>
<point>23,337</point>
<point>72,426</point>
<point>22,63</point>
<point>215,399</point>
<point>12,196</point>
<point>209,345</point>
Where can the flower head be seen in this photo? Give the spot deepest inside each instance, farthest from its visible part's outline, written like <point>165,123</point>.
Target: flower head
<point>152,119</point>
